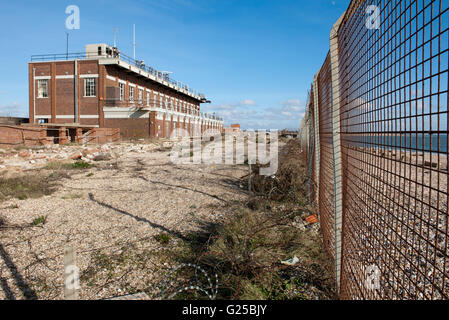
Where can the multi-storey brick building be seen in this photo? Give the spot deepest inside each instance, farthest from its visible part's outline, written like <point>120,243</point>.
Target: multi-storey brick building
<point>106,89</point>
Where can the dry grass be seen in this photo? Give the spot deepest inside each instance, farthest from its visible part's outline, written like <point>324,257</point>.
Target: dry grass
<point>289,183</point>
<point>25,187</point>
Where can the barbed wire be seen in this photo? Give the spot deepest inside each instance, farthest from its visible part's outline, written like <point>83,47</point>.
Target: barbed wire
<point>210,291</point>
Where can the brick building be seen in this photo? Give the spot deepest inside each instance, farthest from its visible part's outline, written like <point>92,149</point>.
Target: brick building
<point>103,88</point>
<point>234,128</point>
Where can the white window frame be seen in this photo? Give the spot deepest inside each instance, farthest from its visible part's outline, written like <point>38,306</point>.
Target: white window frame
<point>41,93</point>
<point>89,90</point>
<point>140,96</point>
<point>122,87</point>
<point>148,98</point>
<point>156,97</point>
<point>132,92</point>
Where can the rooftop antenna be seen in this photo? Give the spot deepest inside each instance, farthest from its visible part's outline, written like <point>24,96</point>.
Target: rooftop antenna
<point>134,41</point>
<point>115,37</point>
<point>67,48</point>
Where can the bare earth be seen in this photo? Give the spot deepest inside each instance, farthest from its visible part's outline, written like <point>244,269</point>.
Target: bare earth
<point>110,218</point>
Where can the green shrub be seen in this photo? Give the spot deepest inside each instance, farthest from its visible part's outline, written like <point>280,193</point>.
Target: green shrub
<point>162,238</point>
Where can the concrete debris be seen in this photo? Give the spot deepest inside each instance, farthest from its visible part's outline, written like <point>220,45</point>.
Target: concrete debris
<point>38,157</point>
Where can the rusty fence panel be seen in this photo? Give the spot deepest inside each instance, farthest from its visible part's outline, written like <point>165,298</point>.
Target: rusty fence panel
<point>393,100</point>
<point>312,159</point>
<point>326,179</point>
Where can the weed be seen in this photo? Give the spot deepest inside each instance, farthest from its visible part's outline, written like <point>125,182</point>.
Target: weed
<point>81,165</point>
<point>162,238</point>
<point>39,220</point>
<point>64,165</point>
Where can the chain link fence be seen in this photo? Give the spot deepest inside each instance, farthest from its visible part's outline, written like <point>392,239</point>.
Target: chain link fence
<point>378,109</point>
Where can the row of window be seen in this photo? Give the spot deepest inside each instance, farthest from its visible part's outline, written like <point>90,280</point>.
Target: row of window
<point>90,91</point>
<point>90,88</point>
<point>177,105</point>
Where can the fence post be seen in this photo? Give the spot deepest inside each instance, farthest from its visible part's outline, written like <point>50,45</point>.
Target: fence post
<point>71,280</point>
<point>316,126</point>
<point>337,156</point>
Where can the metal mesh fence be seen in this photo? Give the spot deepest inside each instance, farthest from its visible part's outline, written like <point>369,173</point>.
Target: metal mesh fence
<point>326,179</point>
<point>393,109</point>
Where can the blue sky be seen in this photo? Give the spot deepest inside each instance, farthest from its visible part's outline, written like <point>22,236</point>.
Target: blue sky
<point>254,60</point>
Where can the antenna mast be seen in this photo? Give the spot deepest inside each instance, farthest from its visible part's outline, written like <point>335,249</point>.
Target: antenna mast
<point>134,41</point>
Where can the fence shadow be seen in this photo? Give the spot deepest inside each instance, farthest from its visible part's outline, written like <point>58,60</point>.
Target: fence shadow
<point>28,293</point>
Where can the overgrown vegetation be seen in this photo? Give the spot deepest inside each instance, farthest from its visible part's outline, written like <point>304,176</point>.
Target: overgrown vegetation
<point>245,250</point>
<point>289,183</point>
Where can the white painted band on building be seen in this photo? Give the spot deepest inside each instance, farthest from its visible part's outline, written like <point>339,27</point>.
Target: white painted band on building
<point>90,116</point>
<point>42,78</point>
<point>68,76</point>
<point>83,76</point>
<point>65,116</point>
<point>125,113</point>
<point>111,78</point>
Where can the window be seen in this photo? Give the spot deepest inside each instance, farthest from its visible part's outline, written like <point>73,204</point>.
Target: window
<point>89,87</point>
<point>42,88</point>
<point>131,94</point>
<point>140,96</point>
<point>148,98</point>
<point>122,91</point>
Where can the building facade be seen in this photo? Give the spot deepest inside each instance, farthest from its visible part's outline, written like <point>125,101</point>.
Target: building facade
<point>105,89</point>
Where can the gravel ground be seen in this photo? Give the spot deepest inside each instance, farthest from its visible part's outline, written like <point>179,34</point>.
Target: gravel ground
<point>110,214</point>
<point>398,221</point>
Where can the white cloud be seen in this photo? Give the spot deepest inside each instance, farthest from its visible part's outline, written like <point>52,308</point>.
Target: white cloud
<point>248,102</point>
<point>13,110</point>
<point>293,104</point>
<point>286,114</point>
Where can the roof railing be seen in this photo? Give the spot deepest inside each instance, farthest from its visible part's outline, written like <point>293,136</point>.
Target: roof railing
<point>159,75</point>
